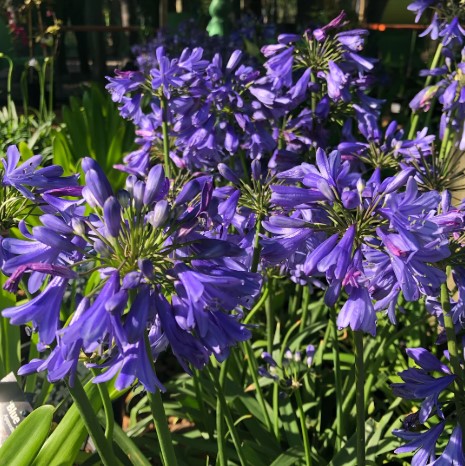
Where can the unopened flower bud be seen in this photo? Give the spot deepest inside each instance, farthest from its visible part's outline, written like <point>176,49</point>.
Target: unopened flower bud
<point>112,216</point>
<point>159,214</point>
<point>124,198</point>
<point>310,351</point>
<point>130,182</point>
<point>228,174</point>
<point>256,169</point>
<point>155,183</point>
<point>101,248</point>
<point>269,359</point>
<point>78,226</point>
<point>138,195</point>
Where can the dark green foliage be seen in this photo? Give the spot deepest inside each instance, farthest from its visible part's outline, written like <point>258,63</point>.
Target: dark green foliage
<point>93,128</point>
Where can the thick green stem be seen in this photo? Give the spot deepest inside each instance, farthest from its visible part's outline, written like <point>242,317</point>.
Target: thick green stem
<point>300,407</point>
<point>444,143</point>
<point>50,86</point>
<point>259,304</point>
<point>254,371</point>
<point>459,385</point>
<point>270,327</point>
<point>220,431</point>
<point>8,82</point>
<point>256,245</point>
<point>254,268</point>
<point>229,419</point>
<point>305,302</point>
<point>161,425</point>
<point>25,95</point>
<point>41,71</point>
<point>159,416</point>
<point>107,408</point>
<point>337,380</point>
<point>276,411</point>
<point>360,397</point>
<point>92,424</point>
<point>166,137</point>
<point>416,115</point>
<point>314,102</point>
<point>199,396</point>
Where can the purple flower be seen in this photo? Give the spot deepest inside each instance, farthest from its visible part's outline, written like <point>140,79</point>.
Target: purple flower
<point>419,7</point>
<point>167,74</point>
<point>112,216</point>
<point>453,454</point>
<point>336,262</point>
<point>28,174</point>
<point>43,311</point>
<point>186,348</point>
<point>279,65</point>
<point>97,189</point>
<point>424,443</point>
<point>418,384</point>
<point>124,82</point>
<point>433,28</point>
<point>358,311</point>
<point>353,39</point>
<point>337,81</point>
<point>95,322</point>
<point>452,32</point>
<point>131,364</point>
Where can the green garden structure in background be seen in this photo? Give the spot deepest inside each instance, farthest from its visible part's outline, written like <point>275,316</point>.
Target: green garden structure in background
<point>219,11</point>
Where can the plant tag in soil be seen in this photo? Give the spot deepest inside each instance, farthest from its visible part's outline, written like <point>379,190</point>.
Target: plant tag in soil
<point>13,406</point>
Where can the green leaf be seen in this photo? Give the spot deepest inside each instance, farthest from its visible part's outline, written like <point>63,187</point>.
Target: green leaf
<point>22,446</point>
<point>289,421</point>
<point>62,154</point>
<point>290,457</point>
<point>127,445</point>
<point>25,151</point>
<point>10,338</point>
<point>62,447</point>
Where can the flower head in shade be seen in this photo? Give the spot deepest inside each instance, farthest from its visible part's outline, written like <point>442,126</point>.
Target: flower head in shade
<point>422,443</point>
<point>420,6</point>
<point>453,454</point>
<point>290,370</point>
<point>418,384</point>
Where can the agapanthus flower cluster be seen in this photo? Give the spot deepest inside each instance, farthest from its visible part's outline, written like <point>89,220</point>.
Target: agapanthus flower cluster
<point>373,238</point>
<point>385,148</point>
<point>445,23</point>
<point>450,92</point>
<point>201,108</point>
<point>444,85</point>
<point>246,31</point>
<point>419,383</point>
<point>251,188</point>
<point>209,113</point>
<point>165,274</point>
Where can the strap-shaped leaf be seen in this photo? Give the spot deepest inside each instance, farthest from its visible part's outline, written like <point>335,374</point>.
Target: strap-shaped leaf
<point>22,446</point>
